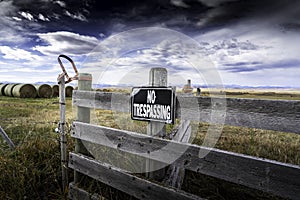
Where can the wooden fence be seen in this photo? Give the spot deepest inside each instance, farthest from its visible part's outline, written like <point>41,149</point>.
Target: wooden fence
<point>270,176</point>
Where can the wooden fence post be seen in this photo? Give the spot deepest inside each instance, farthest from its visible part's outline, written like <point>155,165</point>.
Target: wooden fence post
<point>83,115</point>
<point>157,77</point>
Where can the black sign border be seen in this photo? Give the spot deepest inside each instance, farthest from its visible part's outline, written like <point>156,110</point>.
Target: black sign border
<point>173,103</point>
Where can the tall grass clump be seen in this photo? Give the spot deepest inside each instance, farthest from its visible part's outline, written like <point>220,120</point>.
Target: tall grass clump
<point>32,170</point>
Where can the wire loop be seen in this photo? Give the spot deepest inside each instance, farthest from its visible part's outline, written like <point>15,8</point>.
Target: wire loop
<point>68,79</point>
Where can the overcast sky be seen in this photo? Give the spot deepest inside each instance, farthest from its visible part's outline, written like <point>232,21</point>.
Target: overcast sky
<point>248,42</point>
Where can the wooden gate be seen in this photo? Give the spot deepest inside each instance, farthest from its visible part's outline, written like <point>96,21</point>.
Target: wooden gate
<point>270,176</point>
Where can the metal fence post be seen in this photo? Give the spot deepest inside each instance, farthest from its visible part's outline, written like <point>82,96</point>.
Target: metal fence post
<point>63,140</point>
<point>6,138</point>
<point>83,115</point>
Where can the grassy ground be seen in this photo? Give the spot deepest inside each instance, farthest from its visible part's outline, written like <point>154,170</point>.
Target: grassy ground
<point>284,94</point>
<point>32,170</point>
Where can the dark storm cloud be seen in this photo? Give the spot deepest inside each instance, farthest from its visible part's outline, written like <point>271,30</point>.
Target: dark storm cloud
<point>290,26</point>
<point>189,16</point>
<point>235,44</point>
<point>256,66</point>
<point>91,17</point>
<point>194,16</point>
<point>118,16</point>
<point>264,10</point>
<point>51,8</point>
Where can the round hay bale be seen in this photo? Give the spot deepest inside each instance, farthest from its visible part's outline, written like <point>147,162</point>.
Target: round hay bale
<point>8,90</point>
<point>2,88</point>
<point>69,90</point>
<point>24,91</point>
<point>44,90</point>
<point>55,90</point>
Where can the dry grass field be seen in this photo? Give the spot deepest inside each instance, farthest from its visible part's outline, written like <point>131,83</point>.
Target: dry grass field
<point>274,94</point>
<point>32,170</point>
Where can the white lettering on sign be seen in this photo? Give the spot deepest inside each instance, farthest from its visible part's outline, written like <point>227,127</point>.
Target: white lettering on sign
<point>151,96</point>
<point>156,111</point>
<point>153,104</point>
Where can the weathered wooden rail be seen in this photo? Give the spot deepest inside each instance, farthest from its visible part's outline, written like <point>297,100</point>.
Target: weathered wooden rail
<point>277,178</point>
<point>278,115</point>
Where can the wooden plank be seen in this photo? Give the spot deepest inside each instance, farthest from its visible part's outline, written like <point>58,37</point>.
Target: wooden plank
<point>176,174</point>
<point>182,132</point>
<point>267,175</point>
<point>278,115</point>
<point>102,100</point>
<point>119,179</point>
<point>76,193</point>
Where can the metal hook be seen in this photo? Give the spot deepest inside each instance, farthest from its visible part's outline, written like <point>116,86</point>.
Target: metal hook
<point>69,79</point>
